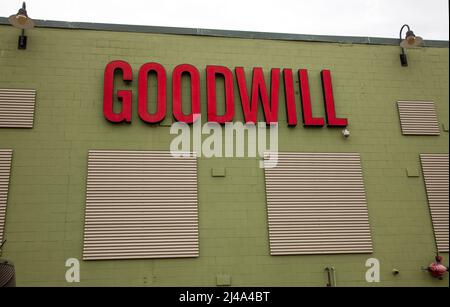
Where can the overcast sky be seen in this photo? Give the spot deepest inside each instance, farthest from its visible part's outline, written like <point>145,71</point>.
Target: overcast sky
<point>375,18</point>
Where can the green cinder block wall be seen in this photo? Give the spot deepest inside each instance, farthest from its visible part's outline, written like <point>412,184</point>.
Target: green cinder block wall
<point>45,213</point>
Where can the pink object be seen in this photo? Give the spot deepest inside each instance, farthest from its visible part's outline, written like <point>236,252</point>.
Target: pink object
<point>436,269</point>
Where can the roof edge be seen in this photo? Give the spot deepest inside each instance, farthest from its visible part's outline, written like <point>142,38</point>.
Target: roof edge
<point>223,33</point>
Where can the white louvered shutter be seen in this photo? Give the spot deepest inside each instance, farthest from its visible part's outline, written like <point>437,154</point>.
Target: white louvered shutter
<point>140,204</point>
<point>316,204</point>
<point>17,108</point>
<point>435,173</point>
<point>418,118</point>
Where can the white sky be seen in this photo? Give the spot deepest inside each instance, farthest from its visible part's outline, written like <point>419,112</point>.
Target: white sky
<point>375,18</point>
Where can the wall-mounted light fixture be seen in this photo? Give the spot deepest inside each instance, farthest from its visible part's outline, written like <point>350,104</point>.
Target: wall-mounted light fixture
<point>410,41</point>
<point>22,21</point>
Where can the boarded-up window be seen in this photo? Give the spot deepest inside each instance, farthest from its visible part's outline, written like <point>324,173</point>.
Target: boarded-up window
<point>17,108</point>
<point>140,204</point>
<point>435,173</point>
<point>5,171</point>
<point>316,204</point>
<point>418,118</point>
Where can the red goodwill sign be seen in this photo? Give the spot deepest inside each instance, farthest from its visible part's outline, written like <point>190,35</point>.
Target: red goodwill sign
<point>259,91</point>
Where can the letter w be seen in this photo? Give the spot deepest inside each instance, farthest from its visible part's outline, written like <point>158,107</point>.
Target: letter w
<point>259,90</point>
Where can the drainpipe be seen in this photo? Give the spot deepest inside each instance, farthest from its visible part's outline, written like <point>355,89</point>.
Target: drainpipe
<point>331,275</point>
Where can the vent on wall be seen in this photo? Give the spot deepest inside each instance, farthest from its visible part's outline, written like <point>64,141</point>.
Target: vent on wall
<point>435,173</point>
<point>316,204</point>
<point>17,108</point>
<point>140,204</point>
<point>418,118</point>
<point>5,171</point>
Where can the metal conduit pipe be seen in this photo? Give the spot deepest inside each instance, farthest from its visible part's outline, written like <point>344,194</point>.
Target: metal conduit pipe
<point>331,275</point>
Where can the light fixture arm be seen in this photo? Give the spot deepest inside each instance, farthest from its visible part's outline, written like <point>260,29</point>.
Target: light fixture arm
<point>24,8</point>
<point>403,57</point>
<point>401,30</point>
